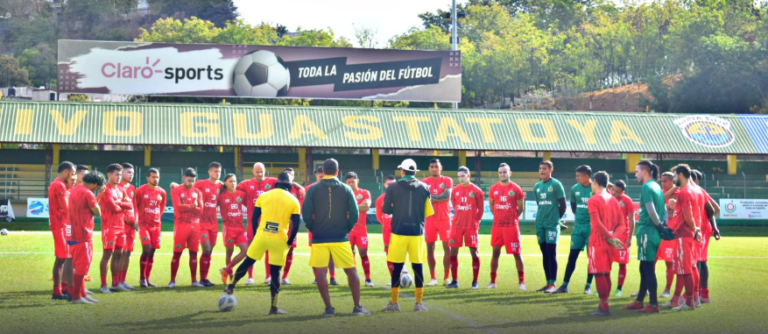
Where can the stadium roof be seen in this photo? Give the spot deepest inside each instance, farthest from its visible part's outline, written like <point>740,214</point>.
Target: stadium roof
<point>241,125</point>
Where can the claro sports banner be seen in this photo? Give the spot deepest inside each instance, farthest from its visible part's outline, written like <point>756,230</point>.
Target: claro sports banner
<point>211,70</point>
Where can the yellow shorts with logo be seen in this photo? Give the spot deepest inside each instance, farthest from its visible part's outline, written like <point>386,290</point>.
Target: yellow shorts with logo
<point>278,250</point>
<point>411,245</point>
<point>321,254</point>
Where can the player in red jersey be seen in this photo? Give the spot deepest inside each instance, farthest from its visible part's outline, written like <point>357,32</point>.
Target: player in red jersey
<point>68,270</point>
<point>253,188</point>
<point>608,227</point>
<point>296,191</point>
<point>331,266</point>
<point>231,206</point>
<point>114,203</point>
<point>58,208</point>
<point>187,208</point>
<point>708,229</point>
<point>385,220</point>
<point>667,248</point>
<point>439,224</point>
<point>131,223</point>
<point>468,206</point>
<point>358,237</point>
<point>507,202</point>
<point>83,207</point>
<point>621,256</point>
<point>209,220</point>
<point>150,206</point>
<point>702,223</point>
<point>686,232</point>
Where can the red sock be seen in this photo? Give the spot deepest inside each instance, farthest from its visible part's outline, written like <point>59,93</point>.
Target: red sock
<point>193,266</point>
<point>670,276</point>
<point>696,282</point>
<point>288,263</point>
<point>433,275</point>
<point>71,289</point>
<point>175,265</point>
<point>391,268</point>
<point>103,280</point>
<point>603,282</point>
<point>521,276</point>
<point>150,264</point>
<point>493,278</point>
<point>143,267</point>
<point>475,268</point>
<point>455,267</point>
<point>622,274</point>
<point>115,278</point>
<point>205,266</point>
<point>266,264</point>
<point>250,272</point>
<point>704,293</point>
<point>679,286</point>
<point>333,273</point>
<point>688,282</point>
<point>79,281</point>
<point>64,286</point>
<point>366,267</point>
<point>57,290</point>
<point>123,275</point>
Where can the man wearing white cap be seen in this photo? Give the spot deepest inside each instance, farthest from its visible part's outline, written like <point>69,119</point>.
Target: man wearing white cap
<point>408,201</point>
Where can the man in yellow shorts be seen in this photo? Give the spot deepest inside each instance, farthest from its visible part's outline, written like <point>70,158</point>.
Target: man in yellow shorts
<point>279,213</point>
<point>408,201</point>
<point>330,211</point>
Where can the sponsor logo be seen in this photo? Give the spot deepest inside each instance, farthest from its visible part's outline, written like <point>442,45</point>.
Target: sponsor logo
<point>146,196</point>
<point>730,207</point>
<point>207,190</point>
<point>706,131</point>
<point>36,208</point>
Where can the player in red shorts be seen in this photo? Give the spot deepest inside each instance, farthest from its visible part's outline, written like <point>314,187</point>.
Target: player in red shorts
<point>667,248</point>
<point>686,233</point>
<point>468,206</point>
<point>358,237</point>
<point>82,209</point>
<point>150,206</point>
<point>331,266</point>
<point>131,223</point>
<point>385,220</point>
<point>296,191</point>
<point>58,208</point>
<point>187,208</point>
<point>439,224</point>
<point>507,201</point>
<point>608,226</point>
<point>621,256</point>
<point>253,188</point>
<point>114,203</point>
<point>209,221</point>
<point>231,206</point>
<point>708,229</point>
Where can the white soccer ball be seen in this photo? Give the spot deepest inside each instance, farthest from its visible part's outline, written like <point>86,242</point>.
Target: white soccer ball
<point>227,303</point>
<point>3,232</point>
<point>261,74</point>
<point>405,281</point>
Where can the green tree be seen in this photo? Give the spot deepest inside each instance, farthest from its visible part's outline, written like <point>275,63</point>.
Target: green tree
<point>217,11</point>
<point>40,64</point>
<point>11,73</point>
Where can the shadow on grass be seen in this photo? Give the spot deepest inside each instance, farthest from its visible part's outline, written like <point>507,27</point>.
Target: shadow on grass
<point>203,320</point>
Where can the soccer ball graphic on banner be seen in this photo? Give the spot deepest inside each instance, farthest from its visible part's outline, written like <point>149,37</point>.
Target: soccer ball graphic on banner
<point>227,302</point>
<point>261,74</point>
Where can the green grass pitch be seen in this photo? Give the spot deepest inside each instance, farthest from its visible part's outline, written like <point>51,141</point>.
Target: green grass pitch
<point>737,267</point>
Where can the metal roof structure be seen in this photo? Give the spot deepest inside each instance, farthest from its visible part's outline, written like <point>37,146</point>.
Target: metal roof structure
<point>283,126</point>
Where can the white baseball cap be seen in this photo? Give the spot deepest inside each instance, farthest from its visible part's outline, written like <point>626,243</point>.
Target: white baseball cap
<point>409,165</point>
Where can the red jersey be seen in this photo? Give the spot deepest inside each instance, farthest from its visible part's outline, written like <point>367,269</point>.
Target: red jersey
<point>210,193</point>
<point>605,219</point>
<point>231,206</point>
<point>81,200</point>
<point>437,186</point>
<point>253,189</point>
<point>150,204</point>
<point>113,206</point>
<point>297,193</point>
<point>627,208</point>
<point>706,228</point>
<point>468,206</point>
<point>360,227</point>
<point>686,206</point>
<point>58,197</point>
<point>383,218</point>
<point>130,214</point>
<point>505,198</point>
<point>184,215</point>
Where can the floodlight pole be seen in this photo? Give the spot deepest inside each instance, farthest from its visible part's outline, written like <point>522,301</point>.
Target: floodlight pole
<point>454,36</point>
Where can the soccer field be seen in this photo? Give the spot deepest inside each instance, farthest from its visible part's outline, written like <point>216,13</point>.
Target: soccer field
<point>737,265</point>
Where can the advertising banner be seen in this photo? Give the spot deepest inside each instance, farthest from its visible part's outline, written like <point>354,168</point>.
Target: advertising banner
<point>258,71</point>
<point>747,209</point>
<point>37,207</point>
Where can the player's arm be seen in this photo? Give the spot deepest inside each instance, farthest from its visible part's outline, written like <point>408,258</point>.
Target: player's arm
<point>365,205</point>
<point>255,220</point>
<point>353,211</point>
<point>480,200</point>
<point>388,197</point>
<point>93,204</point>
<point>295,223</point>
<point>178,205</point>
<point>299,188</point>
<point>379,214</point>
<point>597,223</point>
<point>712,216</point>
<point>573,200</point>
<point>197,207</point>
<point>670,193</point>
<point>62,200</point>
<point>109,204</point>
<point>306,210</point>
<point>560,194</point>
<point>444,197</point>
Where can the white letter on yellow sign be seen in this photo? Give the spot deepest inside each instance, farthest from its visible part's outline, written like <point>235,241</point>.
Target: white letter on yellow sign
<point>302,125</point>
<point>358,122</point>
<point>189,125</point>
<point>135,123</point>
<point>526,133</point>
<point>68,128</point>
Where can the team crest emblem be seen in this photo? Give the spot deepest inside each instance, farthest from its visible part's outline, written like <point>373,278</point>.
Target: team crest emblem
<point>205,235</point>
<point>239,200</point>
<point>359,196</point>
<point>578,193</point>
<point>622,204</point>
<point>194,195</point>
<point>229,241</point>
<point>132,194</point>
<point>442,185</point>
<point>144,238</point>
<point>269,186</point>
<point>471,194</point>
<point>706,130</point>
<point>178,246</point>
<point>111,243</point>
<point>549,189</point>
<point>159,197</point>
<point>218,191</point>
<point>511,193</point>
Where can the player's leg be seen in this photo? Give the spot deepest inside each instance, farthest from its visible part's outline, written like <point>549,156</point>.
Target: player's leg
<point>319,257</point>
<point>58,271</point>
<point>366,266</point>
<point>704,273</point>
<point>446,261</point>
<point>416,255</point>
<point>454,268</point>
<point>332,271</point>
<point>432,262</point>
<point>545,264</point>
<point>475,267</point>
<point>130,239</point>
<point>274,290</point>
<point>494,266</point>
<point>396,256</point>
<point>247,263</point>
<point>573,257</point>
<point>288,264</point>
<point>552,238</point>
<point>146,249</point>
<point>61,253</point>
<point>67,271</point>
<point>652,285</point>
<point>116,266</point>
<point>103,268</point>
<point>205,262</point>
<point>193,245</point>
<point>354,286</point>
<point>621,277</point>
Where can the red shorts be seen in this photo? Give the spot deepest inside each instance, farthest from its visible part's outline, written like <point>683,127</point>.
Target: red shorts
<point>359,239</point>
<point>130,238</point>
<point>209,232</point>
<point>705,248</point>
<point>435,228</point>
<point>386,234</point>
<point>233,236</point>
<point>666,251</point>
<point>621,256</point>
<point>186,236</point>
<point>60,247</point>
<point>463,237</point>
<point>309,242</point>
<point>683,259</point>
<point>82,257</point>
<point>600,259</point>
<point>112,238</point>
<point>150,236</point>
<point>508,236</point>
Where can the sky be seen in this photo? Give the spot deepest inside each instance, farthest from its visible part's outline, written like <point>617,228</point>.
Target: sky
<point>385,18</point>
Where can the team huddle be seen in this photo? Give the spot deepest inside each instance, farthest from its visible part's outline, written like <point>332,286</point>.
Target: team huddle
<point>676,221</point>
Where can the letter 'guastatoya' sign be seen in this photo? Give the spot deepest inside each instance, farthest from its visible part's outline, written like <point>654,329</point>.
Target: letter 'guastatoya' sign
<point>258,71</point>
